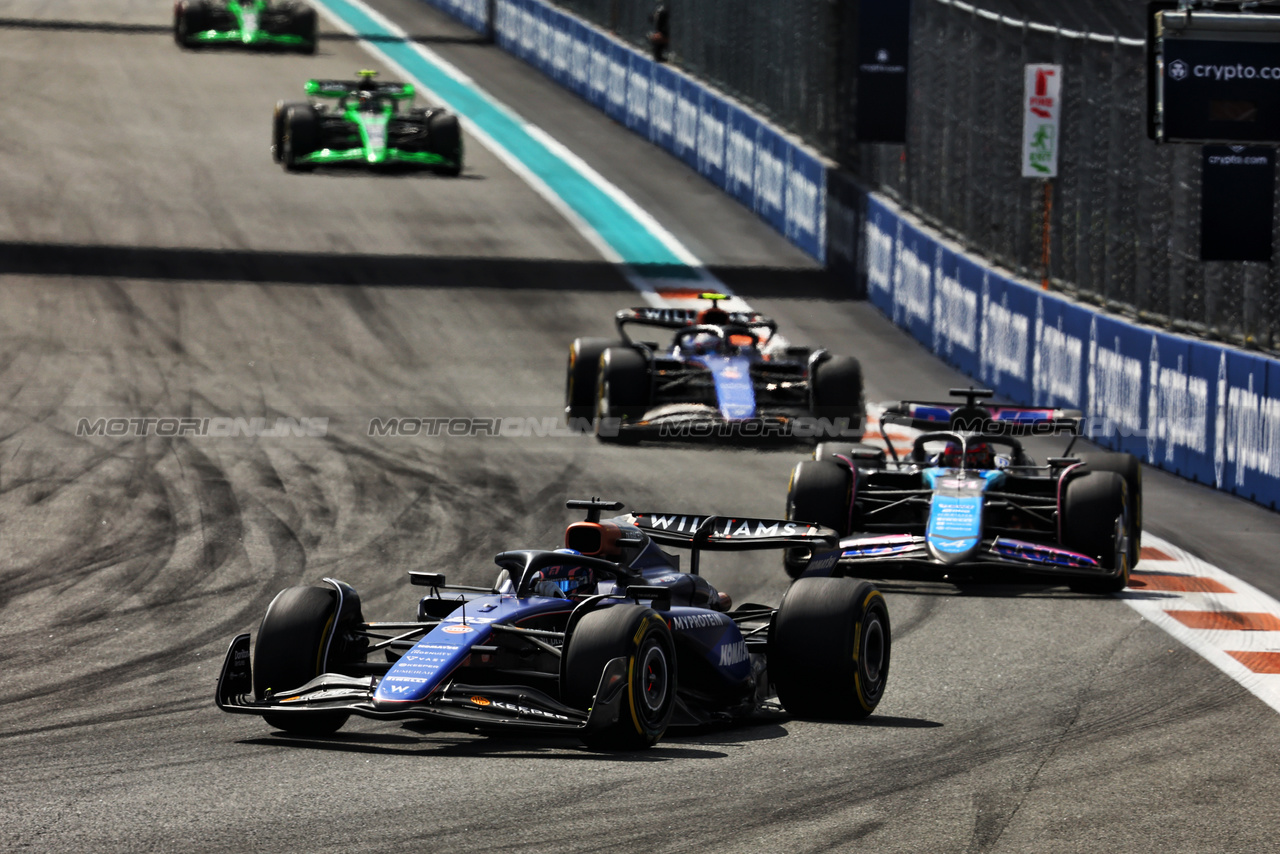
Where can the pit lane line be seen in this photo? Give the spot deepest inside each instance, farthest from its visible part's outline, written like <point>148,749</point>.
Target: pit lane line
<point>1228,622</point>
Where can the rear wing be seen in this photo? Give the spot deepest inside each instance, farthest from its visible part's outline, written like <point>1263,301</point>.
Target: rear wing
<point>730,533</point>
<point>971,416</point>
<point>347,88</point>
<point>679,318</point>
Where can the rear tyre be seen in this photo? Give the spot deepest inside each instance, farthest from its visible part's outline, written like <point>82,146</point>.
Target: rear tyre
<point>838,393</point>
<point>291,651</point>
<point>446,141</point>
<point>1128,467</point>
<point>300,137</point>
<point>622,392</point>
<point>829,648</point>
<point>819,492</point>
<point>1095,523</point>
<point>582,375</point>
<point>642,637</point>
<point>303,25</point>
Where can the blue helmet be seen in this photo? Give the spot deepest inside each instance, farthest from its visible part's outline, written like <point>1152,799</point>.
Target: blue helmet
<point>567,579</point>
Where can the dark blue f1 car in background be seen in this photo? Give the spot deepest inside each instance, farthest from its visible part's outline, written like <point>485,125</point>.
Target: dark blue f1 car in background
<point>724,375</point>
<point>970,504</point>
<point>606,639</point>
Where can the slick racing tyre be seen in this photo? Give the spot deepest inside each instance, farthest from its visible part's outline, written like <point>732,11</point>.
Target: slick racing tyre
<point>294,647</point>
<point>819,492</point>
<point>837,393</point>
<point>302,23</point>
<point>829,648</point>
<point>277,127</point>
<point>622,392</point>
<point>640,636</point>
<point>1095,522</point>
<point>581,375</point>
<point>1128,467</point>
<point>866,456</point>
<point>301,136</point>
<point>190,17</point>
<point>446,141</point>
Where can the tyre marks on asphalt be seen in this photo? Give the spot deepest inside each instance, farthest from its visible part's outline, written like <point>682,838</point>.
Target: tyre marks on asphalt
<point>1228,622</point>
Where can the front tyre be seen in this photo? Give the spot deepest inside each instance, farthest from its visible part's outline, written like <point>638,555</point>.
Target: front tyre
<point>1095,522</point>
<point>640,636</point>
<point>300,136</point>
<point>1128,467</point>
<point>277,128</point>
<point>829,648</point>
<point>292,648</point>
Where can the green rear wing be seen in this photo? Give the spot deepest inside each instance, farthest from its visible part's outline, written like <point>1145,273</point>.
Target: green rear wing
<point>347,88</point>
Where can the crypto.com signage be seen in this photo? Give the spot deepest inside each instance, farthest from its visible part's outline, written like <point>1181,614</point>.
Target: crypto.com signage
<point>1217,77</point>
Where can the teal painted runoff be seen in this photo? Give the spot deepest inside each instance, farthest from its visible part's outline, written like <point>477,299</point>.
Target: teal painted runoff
<point>631,239</point>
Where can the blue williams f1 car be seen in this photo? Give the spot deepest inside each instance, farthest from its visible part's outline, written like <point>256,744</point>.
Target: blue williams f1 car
<point>724,375</point>
<point>606,639</point>
<point>970,504</point>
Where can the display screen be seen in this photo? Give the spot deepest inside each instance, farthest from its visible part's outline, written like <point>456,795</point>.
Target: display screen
<point>1233,111</point>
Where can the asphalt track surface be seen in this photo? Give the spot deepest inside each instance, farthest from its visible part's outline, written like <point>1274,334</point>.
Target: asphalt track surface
<point>155,262</point>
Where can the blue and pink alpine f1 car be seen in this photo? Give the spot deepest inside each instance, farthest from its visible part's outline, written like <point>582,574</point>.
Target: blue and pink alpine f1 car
<point>969,504</point>
<point>724,375</point>
<point>606,639</point>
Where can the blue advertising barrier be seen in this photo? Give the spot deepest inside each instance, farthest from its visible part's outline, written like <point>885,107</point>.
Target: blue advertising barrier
<point>728,145</point>
<point>1206,412</point>
<point>473,13</point>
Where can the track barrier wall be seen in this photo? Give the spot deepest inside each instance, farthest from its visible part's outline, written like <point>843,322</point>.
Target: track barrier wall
<point>1200,410</point>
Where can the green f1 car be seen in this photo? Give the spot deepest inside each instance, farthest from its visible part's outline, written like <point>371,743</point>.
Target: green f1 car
<point>260,23</point>
<point>366,127</point>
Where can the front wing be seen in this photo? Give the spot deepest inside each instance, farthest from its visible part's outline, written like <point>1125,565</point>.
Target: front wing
<point>908,556</point>
<point>329,156</point>
<point>255,37</point>
<point>454,706</point>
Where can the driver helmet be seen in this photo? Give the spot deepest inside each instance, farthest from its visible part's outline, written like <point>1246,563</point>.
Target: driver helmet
<point>978,456</point>
<point>564,580</point>
<point>713,317</point>
<point>703,342</point>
